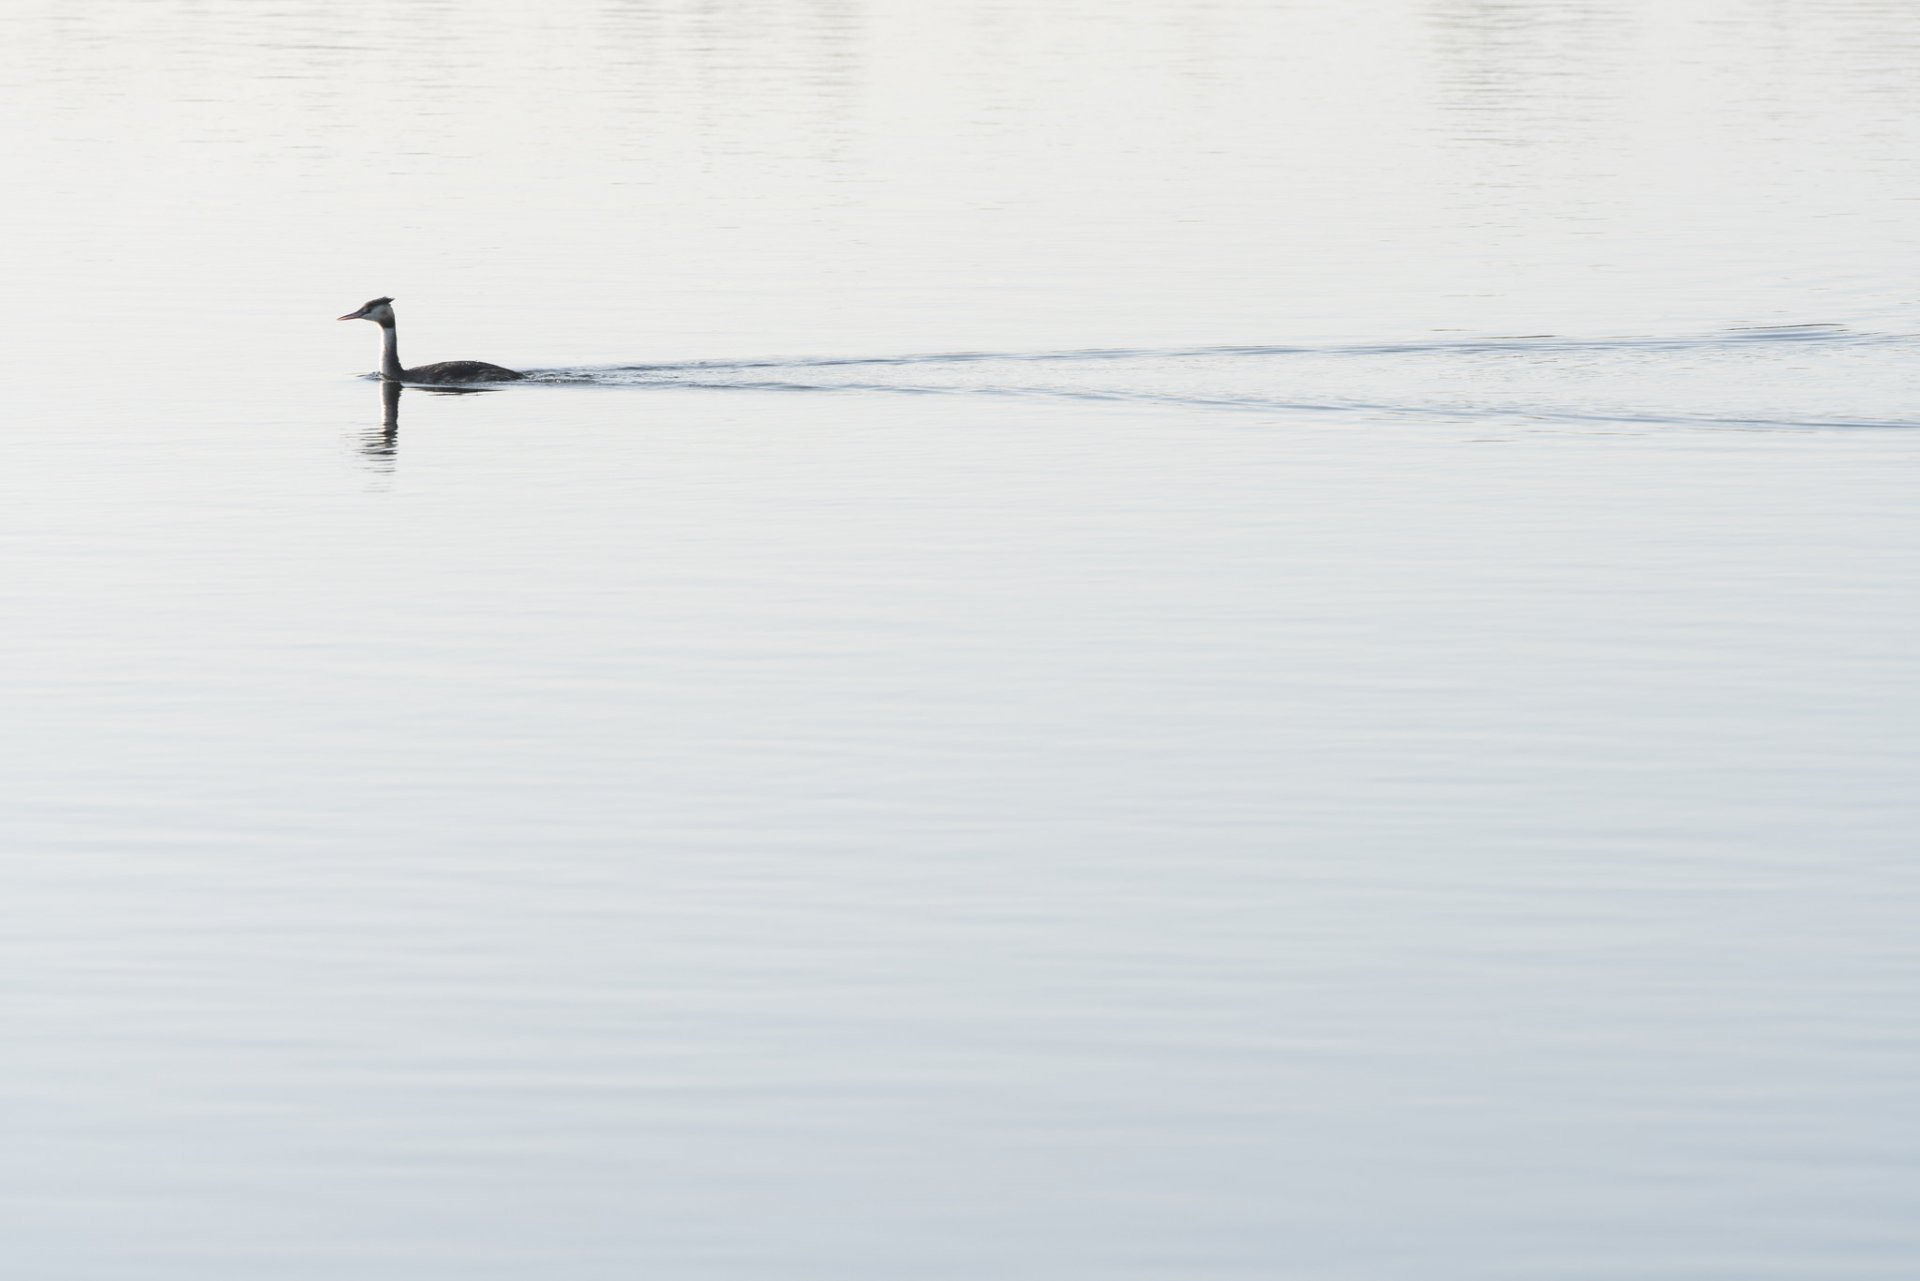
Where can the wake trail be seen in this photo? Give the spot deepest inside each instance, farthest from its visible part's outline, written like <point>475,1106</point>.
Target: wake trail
<point>1751,336</point>
<point>1494,367</point>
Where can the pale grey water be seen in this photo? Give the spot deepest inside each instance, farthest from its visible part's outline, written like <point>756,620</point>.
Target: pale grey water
<point>1349,714</point>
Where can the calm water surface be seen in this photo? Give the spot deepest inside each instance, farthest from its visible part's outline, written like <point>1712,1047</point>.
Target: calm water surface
<point>1131,640</point>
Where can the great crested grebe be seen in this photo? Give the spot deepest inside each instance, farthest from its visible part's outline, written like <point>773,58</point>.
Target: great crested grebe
<point>380,312</point>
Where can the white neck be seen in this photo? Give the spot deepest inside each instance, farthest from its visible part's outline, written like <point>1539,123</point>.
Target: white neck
<point>389,354</point>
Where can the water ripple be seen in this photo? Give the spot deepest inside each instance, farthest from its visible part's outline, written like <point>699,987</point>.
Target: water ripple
<point>1752,377</point>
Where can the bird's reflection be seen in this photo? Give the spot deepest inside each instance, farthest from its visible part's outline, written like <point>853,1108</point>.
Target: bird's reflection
<point>382,443</point>
<point>380,446</point>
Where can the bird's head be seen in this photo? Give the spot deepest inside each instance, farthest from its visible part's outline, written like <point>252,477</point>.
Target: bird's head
<point>378,311</point>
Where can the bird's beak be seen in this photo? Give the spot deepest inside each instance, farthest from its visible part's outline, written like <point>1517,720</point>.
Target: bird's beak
<point>355,315</point>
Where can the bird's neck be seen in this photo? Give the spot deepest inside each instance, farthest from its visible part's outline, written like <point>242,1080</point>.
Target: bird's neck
<point>389,353</point>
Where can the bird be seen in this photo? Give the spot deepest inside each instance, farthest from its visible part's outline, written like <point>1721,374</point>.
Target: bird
<point>380,312</point>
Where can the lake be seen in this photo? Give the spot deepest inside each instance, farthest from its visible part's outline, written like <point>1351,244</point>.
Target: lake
<point>1142,640</point>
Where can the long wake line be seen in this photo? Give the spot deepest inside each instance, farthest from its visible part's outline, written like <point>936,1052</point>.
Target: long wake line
<point>761,375</point>
<point>1743,337</point>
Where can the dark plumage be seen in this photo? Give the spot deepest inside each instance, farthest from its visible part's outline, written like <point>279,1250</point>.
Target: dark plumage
<point>459,371</point>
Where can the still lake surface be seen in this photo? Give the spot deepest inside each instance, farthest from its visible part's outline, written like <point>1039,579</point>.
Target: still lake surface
<point>1133,640</point>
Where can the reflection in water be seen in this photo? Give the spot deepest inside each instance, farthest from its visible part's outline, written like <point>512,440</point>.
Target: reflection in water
<point>1516,75</point>
<point>381,444</point>
<point>720,63</point>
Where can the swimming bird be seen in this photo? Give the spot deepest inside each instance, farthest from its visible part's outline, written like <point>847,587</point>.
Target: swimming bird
<point>380,312</point>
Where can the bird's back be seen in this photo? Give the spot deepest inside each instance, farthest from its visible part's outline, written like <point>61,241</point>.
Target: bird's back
<point>460,371</point>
